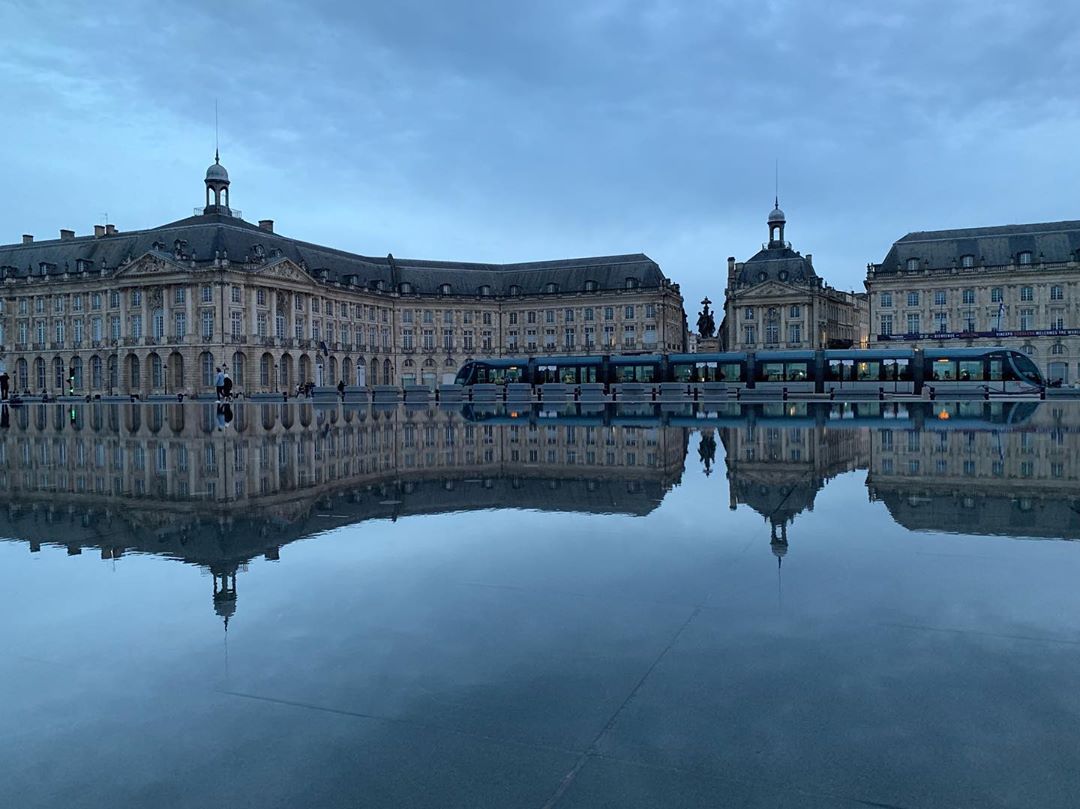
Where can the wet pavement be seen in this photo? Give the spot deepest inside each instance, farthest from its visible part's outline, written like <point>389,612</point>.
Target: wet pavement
<point>787,605</point>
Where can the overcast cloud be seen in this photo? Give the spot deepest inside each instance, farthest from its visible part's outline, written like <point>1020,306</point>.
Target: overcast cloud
<point>495,131</point>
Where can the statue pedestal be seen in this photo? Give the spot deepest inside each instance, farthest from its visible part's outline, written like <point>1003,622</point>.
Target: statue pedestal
<point>708,345</point>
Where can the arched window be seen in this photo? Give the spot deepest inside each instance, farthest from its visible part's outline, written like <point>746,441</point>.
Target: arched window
<point>22,379</point>
<point>77,372</point>
<point>444,289</point>
<point>58,374</point>
<point>134,380</point>
<point>1057,348</point>
<point>361,373</point>
<point>387,373</point>
<point>266,366</point>
<point>157,373</point>
<point>95,373</point>
<point>206,368</point>
<point>39,374</point>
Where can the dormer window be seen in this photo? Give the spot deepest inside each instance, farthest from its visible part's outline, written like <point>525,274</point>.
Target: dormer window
<point>551,288</point>
<point>631,283</point>
<point>515,290</point>
<point>1024,257</point>
<point>967,261</point>
<point>591,286</point>
<point>405,288</point>
<point>484,291</point>
<point>912,264</point>
<point>444,289</point>
<point>376,285</point>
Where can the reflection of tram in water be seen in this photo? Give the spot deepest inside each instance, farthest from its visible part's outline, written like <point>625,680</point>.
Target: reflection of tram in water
<point>969,415</point>
<point>958,370</point>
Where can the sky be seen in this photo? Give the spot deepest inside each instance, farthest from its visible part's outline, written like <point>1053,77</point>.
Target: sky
<point>496,131</point>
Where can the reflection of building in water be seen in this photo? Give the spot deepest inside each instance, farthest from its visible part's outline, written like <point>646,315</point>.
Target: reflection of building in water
<point>780,460</point>
<point>1020,482</point>
<point>167,479</point>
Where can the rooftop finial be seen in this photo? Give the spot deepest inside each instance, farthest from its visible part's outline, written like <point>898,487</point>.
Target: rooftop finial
<point>216,158</point>
<point>776,183</point>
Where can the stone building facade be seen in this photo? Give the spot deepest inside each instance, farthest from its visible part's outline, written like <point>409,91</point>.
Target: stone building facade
<point>1016,285</point>
<point>156,311</point>
<point>776,300</point>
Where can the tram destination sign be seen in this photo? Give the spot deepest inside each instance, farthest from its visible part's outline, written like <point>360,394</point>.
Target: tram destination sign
<point>977,335</point>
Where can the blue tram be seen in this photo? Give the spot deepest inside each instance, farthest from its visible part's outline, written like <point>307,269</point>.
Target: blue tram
<point>891,370</point>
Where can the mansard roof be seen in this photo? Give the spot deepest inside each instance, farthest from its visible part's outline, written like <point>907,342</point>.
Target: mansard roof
<point>990,246</point>
<point>778,264</point>
<point>201,238</point>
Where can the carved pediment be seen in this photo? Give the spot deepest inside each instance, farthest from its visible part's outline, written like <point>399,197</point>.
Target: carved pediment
<point>147,264</point>
<point>285,269</point>
<point>771,289</point>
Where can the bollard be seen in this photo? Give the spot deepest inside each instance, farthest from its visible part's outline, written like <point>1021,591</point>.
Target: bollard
<point>785,392</point>
<point>881,394</point>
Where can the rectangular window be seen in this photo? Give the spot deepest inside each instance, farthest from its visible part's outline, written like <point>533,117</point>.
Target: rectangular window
<point>1027,293</point>
<point>629,336</point>
<point>568,316</point>
<point>590,336</point>
<point>549,316</point>
<point>531,318</point>
<point>95,300</point>
<point>208,324</point>
<point>260,297</point>
<point>942,322</point>
<point>114,328</point>
<point>996,295</point>
<point>886,300</point>
<point>609,313</point>
<point>136,327</point>
<point>298,328</point>
<point>207,293</point>
<point>748,313</point>
<point>513,318</point>
<point>95,329</point>
<point>136,297</point>
<point>260,324</point>
<point>749,334</point>
<point>795,310</point>
<point>429,339</point>
<point>913,299</point>
<point>795,333</point>
<point>237,321</point>
<point>448,340</point>
<point>407,339</point>
<point>940,297</point>
<point>969,296</point>
<point>913,323</point>
<point>1057,293</point>
<point>1027,319</point>
<point>429,316</point>
<point>467,340</point>
<point>407,316</point>
<point>76,303</point>
<point>568,337</point>
<point>235,294</point>
<point>487,341</point>
<point>487,318</point>
<point>650,310</point>
<point>588,313</point>
<point>628,312</point>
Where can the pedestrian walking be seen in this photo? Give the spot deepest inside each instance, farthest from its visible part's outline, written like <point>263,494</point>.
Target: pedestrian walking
<point>227,386</point>
<point>4,382</point>
<point>219,383</point>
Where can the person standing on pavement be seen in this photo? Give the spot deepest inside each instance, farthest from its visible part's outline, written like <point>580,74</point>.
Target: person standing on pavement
<point>4,382</point>
<point>219,383</point>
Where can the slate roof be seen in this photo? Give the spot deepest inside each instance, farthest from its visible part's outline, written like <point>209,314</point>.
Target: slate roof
<point>201,237</point>
<point>778,264</point>
<point>992,514</point>
<point>991,246</point>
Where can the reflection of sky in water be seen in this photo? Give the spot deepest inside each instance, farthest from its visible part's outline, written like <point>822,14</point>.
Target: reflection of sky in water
<point>476,658</point>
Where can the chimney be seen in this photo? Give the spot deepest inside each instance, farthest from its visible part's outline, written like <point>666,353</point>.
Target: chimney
<point>110,230</point>
<point>809,258</point>
<point>267,225</point>
<point>99,231</point>
<point>27,238</point>
<point>67,234</point>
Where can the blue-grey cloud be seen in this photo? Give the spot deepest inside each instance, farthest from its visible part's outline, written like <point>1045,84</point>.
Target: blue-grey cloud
<point>490,131</point>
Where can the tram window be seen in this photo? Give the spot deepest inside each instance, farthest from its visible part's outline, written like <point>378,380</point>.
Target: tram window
<point>729,372</point>
<point>903,370</point>
<point>944,371</point>
<point>481,374</point>
<point>1027,369</point>
<point>835,371</point>
<point>588,374</point>
<point>771,372</point>
<point>971,371</point>
<point>996,369</point>
<point>513,374</point>
<point>796,372</point>
<point>681,372</point>
<point>868,371</point>
<point>568,376</point>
